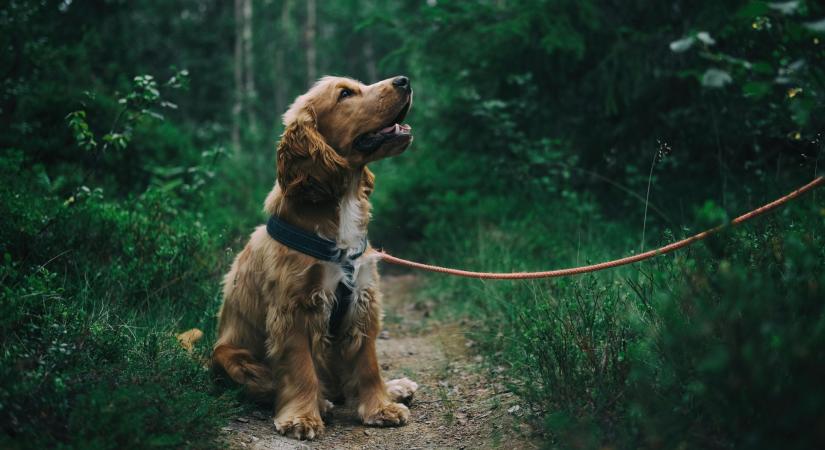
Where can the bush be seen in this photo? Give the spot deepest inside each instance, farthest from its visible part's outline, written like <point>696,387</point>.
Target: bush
<point>716,346</point>
<point>732,354</point>
<point>69,372</point>
<point>94,290</point>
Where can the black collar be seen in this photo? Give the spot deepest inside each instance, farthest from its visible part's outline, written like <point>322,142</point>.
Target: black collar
<point>325,250</point>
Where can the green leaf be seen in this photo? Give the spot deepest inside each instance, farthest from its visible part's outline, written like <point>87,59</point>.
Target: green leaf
<point>753,10</point>
<point>756,89</point>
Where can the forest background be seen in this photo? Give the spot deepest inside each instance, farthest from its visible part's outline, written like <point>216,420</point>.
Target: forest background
<point>137,143</point>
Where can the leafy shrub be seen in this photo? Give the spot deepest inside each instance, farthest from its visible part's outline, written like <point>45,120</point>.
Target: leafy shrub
<point>732,354</point>
<point>70,371</point>
<point>94,289</point>
<point>712,347</point>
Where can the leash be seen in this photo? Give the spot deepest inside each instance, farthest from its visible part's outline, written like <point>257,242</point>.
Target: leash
<point>607,264</point>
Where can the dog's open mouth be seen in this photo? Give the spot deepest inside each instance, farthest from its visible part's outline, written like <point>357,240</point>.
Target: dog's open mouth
<point>396,127</point>
<point>369,142</point>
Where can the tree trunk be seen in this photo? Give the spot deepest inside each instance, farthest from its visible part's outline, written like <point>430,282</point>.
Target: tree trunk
<point>281,79</point>
<point>250,93</point>
<point>309,34</point>
<point>239,90</point>
<point>368,9</point>
<point>369,56</point>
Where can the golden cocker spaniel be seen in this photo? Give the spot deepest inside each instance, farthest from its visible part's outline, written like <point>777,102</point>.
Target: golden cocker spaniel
<point>298,330</point>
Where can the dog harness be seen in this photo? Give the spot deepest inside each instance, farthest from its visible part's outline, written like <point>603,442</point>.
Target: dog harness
<point>317,247</point>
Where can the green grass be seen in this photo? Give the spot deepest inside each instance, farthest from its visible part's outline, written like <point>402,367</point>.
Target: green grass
<point>93,294</point>
<point>716,346</point>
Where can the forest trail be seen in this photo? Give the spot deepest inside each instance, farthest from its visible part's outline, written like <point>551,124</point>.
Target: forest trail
<point>457,405</point>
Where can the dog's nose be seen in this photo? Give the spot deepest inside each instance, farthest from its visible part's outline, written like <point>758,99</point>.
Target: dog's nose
<point>401,82</point>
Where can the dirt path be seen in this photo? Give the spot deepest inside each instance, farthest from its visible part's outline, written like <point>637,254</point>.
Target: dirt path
<point>456,406</point>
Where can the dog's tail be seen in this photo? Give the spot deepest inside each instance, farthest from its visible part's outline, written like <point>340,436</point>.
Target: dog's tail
<point>242,367</point>
<point>189,338</point>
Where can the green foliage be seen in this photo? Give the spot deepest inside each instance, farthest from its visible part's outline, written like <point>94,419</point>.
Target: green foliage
<point>535,125</point>
<point>70,371</point>
<point>731,354</point>
<point>527,114</point>
<point>714,347</point>
<point>83,337</point>
<point>528,92</point>
<point>97,282</point>
<point>80,129</point>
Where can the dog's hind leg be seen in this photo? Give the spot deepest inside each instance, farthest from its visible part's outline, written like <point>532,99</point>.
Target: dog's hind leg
<point>242,367</point>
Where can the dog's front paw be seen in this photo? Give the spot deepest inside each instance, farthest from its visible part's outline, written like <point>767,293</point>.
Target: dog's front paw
<point>401,390</point>
<point>387,415</point>
<point>300,427</point>
<point>325,407</point>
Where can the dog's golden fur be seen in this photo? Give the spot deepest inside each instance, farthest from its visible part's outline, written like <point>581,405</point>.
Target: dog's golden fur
<point>273,334</point>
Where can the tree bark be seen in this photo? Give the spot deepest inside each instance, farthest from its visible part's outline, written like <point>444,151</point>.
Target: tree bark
<point>250,93</point>
<point>281,79</point>
<point>368,8</point>
<point>369,56</point>
<point>309,34</point>
<point>239,90</point>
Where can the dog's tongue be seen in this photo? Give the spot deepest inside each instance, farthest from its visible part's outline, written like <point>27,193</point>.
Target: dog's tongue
<point>390,129</point>
<point>395,128</point>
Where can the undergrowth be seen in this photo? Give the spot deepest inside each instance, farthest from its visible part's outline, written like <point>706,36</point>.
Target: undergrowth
<point>716,346</point>
<point>94,289</point>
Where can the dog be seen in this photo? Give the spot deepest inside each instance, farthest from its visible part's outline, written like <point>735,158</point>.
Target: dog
<point>276,335</point>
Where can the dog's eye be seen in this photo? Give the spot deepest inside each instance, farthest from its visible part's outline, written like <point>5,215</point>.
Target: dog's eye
<point>345,93</point>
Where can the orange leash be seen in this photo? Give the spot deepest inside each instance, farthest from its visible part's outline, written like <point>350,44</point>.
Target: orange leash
<point>607,264</point>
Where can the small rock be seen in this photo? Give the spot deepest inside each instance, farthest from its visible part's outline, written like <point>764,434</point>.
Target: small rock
<point>469,344</point>
<point>513,409</point>
<point>367,433</point>
<point>226,429</point>
<point>384,334</point>
<point>242,420</point>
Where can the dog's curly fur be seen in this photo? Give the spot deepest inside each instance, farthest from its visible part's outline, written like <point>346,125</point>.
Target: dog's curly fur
<point>274,337</point>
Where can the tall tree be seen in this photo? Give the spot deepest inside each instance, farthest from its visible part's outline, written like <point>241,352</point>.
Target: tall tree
<point>239,82</point>
<point>368,8</point>
<point>369,57</point>
<point>309,33</point>
<point>250,94</point>
<point>281,78</point>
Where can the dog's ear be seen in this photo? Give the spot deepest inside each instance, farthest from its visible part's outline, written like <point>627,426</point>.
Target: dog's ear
<point>307,166</point>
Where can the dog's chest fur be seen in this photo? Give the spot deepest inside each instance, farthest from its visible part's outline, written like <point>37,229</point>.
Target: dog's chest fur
<point>353,216</point>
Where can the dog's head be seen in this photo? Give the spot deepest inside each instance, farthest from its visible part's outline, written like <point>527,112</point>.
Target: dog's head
<point>341,124</point>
